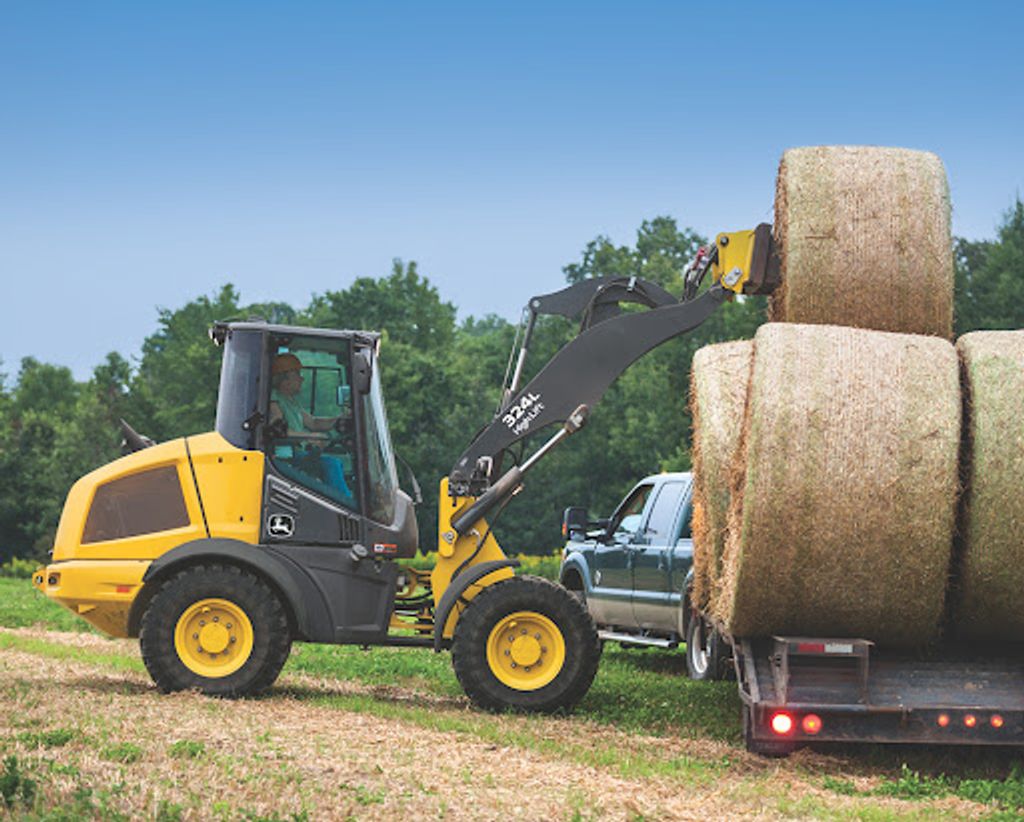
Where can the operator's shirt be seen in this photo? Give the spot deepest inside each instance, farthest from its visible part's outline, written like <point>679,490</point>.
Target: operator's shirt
<point>290,410</point>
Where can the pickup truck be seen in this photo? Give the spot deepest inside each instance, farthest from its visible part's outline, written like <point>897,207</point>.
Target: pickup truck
<point>634,569</point>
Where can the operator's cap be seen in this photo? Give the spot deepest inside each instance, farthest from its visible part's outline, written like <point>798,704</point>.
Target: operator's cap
<point>284,363</point>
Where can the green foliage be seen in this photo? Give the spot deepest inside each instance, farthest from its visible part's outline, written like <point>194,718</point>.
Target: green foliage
<point>990,278</point>
<point>124,752</point>
<point>16,568</point>
<point>186,749</point>
<point>52,738</point>
<point>16,788</point>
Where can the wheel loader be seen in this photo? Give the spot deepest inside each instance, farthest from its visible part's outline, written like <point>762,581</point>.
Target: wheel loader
<point>287,522</point>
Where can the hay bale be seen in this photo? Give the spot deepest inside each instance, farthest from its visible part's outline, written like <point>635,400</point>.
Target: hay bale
<point>992,567</point>
<point>864,238</point>
<point>845,486</point>
<point>718,391</point>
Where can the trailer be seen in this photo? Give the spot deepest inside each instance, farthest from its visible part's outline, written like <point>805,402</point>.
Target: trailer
<point>802,690</point>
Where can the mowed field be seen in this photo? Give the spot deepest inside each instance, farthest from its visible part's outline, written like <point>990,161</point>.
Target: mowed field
<point>387,733</point>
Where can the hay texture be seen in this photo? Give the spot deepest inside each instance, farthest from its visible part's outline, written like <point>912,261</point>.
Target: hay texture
<point>864,238</point>
<point>845,486</point>
<point>718,391</point>
<point>992,566</point>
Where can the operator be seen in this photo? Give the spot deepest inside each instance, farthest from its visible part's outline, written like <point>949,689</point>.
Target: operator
<point>286,382</point>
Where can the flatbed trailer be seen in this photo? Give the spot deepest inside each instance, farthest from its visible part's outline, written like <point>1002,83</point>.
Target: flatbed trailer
<point>802,690</point>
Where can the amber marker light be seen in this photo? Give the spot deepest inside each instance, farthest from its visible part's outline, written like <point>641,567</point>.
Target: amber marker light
<point>970,720</point>
<point>996,721</point>
<point>811,724</point>
<point>943,720</point>
<point>782,724</point>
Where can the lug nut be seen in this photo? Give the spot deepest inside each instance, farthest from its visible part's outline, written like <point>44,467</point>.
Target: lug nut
<point>195,636</point>
<point>536,636</point>
<point>543,650</point>
<point>508,653</point>
<point>527,668</point>
<point>202,622</point>
<point>216,619</point>
<point>229,626</point>
<point>523,632</point>
<point>232,639</point>
<point>514,665</point>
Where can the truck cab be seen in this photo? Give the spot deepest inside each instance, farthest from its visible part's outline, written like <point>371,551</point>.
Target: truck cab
<point>632,569</point>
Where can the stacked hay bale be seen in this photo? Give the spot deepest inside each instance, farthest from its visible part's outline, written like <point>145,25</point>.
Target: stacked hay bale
<point>718,394</point>
<point>864,235</point>
<point>843,485</point>
<point>992,573</point>
<point>844,493</point>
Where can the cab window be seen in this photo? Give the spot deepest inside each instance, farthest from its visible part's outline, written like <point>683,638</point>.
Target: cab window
<point>663,514</point>
<point>627,518</point>
<point>310,422</point>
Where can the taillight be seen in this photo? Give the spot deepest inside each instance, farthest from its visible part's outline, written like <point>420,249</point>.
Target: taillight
<point>811,724</point>
<point>943,720</point>
<point>996,721</point>
<point>782,724</point>
<point>970,720</point>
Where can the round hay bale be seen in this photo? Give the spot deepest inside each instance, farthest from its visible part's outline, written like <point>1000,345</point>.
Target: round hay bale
<point>844,486</point>
<point>992,559</point>
<point>718,391</point>
<point>864,239</point>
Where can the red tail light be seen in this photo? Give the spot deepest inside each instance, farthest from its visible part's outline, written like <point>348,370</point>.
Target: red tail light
<point>996,721</point>
<point>970,720</point>
<point>811,724</point>
<point>782,724</point>
<point>943,720</point>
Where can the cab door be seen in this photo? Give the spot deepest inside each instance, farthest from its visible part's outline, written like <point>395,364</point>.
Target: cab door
<point>652,559</point>
<point>612,584</point>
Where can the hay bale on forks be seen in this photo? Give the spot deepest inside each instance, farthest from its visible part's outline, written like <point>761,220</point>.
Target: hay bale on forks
<point>864,239</point>
<point>718,392</point>
<point>844,486</point>
<point>992,566</point>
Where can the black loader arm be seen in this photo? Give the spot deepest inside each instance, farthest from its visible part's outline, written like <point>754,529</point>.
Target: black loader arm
<point>581,372</point>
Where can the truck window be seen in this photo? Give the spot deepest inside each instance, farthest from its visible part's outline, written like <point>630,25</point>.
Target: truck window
<point>663,514</point>
<point>627,519</point>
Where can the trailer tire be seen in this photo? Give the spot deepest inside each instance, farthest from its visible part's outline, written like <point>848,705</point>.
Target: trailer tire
<point>706,652</point>
<point>525,644</point>
<point>234,614</point>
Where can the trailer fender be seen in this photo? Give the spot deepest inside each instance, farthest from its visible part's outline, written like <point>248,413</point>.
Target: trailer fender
<point>308,613</point>
<point>458,587</point>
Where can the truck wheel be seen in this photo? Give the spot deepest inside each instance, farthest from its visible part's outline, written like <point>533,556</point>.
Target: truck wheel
<point>705,650</point>
<point>217,629</point>
<point>525,644</point>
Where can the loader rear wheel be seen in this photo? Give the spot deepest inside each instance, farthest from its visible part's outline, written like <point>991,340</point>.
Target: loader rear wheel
<point>525,644</point>
<point>217,629</point>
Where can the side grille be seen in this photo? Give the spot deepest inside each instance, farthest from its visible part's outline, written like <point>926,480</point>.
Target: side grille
<point>349,529</point>
<point>282,497</point>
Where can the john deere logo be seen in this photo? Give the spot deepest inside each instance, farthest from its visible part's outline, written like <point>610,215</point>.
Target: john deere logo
<point>280,525</point>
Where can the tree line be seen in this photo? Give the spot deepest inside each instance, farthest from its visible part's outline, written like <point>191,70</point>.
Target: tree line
<point>441,378</point>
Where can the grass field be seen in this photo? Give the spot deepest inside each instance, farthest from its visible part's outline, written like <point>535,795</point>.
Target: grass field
<point>387,733</point>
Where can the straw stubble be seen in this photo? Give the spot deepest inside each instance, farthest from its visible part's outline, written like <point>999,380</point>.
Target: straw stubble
<point>844,486</point>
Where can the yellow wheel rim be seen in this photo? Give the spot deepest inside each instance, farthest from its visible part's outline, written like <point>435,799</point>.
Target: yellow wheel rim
<point>213,638</point>
<point>525,651</point>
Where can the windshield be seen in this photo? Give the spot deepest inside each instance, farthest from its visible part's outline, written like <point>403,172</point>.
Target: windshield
<point>380,459</point>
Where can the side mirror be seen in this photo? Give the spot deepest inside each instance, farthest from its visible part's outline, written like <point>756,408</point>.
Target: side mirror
<point>574,523</point>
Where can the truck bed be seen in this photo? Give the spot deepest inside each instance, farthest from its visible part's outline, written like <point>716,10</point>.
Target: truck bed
<point>854,692</point>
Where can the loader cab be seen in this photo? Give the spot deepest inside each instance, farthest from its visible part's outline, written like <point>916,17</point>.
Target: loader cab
<point>311,401</point>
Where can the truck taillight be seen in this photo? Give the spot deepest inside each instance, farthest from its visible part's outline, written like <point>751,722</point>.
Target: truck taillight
<point>970,720</point>
<point>996,721</point>
<point>943,720</point>
<point>811,724</point>
<point>782,724</point>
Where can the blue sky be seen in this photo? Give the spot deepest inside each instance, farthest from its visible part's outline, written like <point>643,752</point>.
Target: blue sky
<point>151,152</point>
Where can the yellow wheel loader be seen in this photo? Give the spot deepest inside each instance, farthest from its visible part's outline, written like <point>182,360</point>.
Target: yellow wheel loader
<point>285,523</point>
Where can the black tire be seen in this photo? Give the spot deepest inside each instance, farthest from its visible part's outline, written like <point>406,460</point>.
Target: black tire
<point>271,637</point>
<point>767,749</point>
<point>706,652</point>
<point>486,612</point>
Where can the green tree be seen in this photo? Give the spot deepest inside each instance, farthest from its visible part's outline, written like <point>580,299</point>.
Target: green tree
<point>990,277</point>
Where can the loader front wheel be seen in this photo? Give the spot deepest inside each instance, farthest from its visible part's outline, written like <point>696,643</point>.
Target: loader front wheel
<point>525,644</point>
<point>217,629</point>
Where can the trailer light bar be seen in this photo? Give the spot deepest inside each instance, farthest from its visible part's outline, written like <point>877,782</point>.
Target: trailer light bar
<point>811,724</point>
<point>970,720</point>
<point>943,720</point>
<point>782,724</point>
<point>996,721</point>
